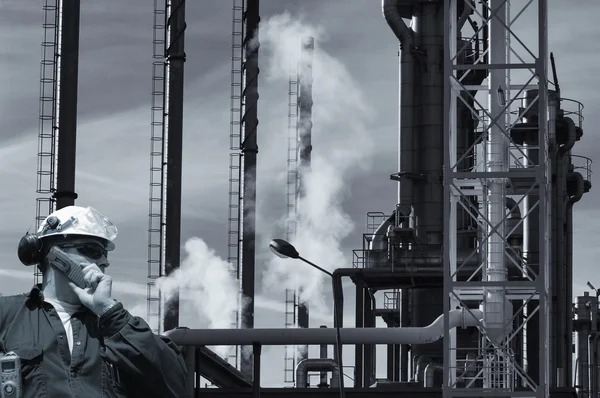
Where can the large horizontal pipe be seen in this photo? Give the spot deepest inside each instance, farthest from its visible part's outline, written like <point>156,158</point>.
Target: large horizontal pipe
<point>313,336</point>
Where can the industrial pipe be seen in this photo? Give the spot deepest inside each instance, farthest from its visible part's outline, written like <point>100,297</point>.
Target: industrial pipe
<point>571,136</point>
<point>405,36</point>
<point>430,374</point>
<point>322,364</point>
<point>323,355</point>
<point>422,362</point>
<point>378,239</point>
<point>584,306</point>
<point>593,375</point>
<point>426,258</point>
<point>513,231</point>
<point>569,250</point>
<point>312,336</point>
<point>513,218</point>
<point>495,303</point>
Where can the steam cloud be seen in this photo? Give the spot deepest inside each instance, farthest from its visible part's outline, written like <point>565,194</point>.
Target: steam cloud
<point>208,280</point>
<point>341,144</point>
<point>209,285</point>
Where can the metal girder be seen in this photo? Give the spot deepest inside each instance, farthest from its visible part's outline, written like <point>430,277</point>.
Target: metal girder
<point>502,169</point>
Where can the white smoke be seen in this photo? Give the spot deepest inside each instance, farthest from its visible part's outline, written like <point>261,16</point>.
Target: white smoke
<point>208,283</point>
<point>341,145</point>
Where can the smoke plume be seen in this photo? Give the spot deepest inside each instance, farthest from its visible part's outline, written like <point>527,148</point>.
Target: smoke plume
<point>341,145</point>
<point>208,284</point>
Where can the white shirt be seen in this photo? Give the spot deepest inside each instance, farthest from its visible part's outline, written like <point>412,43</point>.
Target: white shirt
<point>65,311</point>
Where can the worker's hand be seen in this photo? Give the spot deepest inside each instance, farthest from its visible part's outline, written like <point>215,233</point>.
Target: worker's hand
<point>97,297</point>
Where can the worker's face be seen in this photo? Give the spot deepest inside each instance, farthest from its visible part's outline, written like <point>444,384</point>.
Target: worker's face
<point>83,252</point>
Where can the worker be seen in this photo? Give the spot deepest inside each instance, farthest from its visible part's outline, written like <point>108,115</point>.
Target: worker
<point>71,337</point>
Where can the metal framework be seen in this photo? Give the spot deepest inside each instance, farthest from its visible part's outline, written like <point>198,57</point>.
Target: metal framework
<point>504,169</point>
<point>291,295</point>
<point>234,254</point>
<point>49,111</point>
<point>158,166</point>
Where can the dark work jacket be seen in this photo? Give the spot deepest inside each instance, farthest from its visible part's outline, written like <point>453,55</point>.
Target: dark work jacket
<point>114,356</point>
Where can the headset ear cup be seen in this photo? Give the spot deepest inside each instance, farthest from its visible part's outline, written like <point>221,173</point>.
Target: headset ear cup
<point>29,249</point>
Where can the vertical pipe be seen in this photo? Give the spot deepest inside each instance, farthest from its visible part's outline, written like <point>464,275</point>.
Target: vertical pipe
<point>189,355</point>
<point>497,161</point>
<point>569,266</point>
<point>562,342</point>
<point>583,316</point>
<point>406,101</point>
<point>595,371</point>
<point>323,355</point>
<point>544,184</point>
<point>176,59</point>
<point>256,350</point>
<point>305,82</point>
<point>338,323</point>
<point>531,248</point>
<point>369,322</point>
<point>67,119</point>
<point>358,348</point>
<point>249,153</point>
<point>404,321</point>
<point>197,376</point>
<point>593,347</point>
<point>428,155</point>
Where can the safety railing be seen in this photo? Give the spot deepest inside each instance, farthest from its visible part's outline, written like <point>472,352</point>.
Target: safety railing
<point>572,109</point>
<point>583,165</point>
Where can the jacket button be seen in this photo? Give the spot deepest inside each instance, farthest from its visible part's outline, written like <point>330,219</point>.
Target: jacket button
<point>78,343</point>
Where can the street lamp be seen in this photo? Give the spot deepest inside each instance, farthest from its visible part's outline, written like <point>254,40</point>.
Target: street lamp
<point>594,289</point>
<point>284,249</point>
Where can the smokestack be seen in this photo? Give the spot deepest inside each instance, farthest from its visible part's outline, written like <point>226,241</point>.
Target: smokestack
<point>249,152</point>
<point>305,81</point>
<point>176,59</point>
<point>67,118</point>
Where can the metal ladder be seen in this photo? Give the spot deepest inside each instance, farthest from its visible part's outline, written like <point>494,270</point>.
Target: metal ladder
<point>158,165</point>
<point>49,109</point>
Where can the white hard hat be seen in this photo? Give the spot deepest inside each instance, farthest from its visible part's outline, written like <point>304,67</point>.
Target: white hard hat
<point>75,220</point>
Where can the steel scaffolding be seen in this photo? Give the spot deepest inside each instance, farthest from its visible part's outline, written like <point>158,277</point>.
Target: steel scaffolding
<point>504,169</point>
<point>49,111</point>
<point>158,166</point>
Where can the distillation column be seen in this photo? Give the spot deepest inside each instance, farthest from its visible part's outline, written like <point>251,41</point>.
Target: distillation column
<point>421,146</point>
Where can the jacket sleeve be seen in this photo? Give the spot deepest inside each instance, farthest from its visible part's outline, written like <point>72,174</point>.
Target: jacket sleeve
<point>153,361</point>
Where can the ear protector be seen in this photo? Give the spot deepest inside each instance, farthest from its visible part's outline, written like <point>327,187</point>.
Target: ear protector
<point>30,246</point>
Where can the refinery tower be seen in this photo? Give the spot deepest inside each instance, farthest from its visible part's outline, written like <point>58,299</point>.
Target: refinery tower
<point>475,261</point>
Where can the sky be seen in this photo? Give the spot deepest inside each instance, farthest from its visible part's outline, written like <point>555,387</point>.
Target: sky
<point>354,138</point>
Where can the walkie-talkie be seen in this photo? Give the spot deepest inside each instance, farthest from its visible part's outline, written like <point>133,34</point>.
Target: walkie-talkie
<point>62,262</point>
<point>10,375</point>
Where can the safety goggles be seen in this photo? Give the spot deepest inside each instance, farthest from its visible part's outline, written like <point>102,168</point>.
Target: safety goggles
<point>92,250</point>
